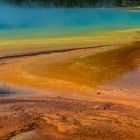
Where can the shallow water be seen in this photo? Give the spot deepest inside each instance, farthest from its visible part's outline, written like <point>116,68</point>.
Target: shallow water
<point>122,65</point>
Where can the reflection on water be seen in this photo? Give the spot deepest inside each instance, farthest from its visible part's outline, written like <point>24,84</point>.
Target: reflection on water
<point>6,91</point>
<point>96,69</point>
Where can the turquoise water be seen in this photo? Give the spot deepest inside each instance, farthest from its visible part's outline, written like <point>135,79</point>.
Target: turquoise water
<point>30,22</point>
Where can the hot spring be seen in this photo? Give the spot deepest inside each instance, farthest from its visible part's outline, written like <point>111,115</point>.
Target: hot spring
<point>20,22</point>
<point>25,31</point>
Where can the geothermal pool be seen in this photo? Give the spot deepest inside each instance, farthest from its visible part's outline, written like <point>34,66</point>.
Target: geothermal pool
<point>69,74</point>
<point>104,43</point>
<point>43,22</point>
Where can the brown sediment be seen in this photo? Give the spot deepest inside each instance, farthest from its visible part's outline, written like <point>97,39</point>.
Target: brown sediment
<point>61,118</point>
<point>97,114</point>
<point>40,73</point>
<point>24,61</point>
<point>78,69</point>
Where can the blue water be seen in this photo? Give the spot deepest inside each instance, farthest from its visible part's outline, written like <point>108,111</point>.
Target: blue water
<point>15,21</point>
